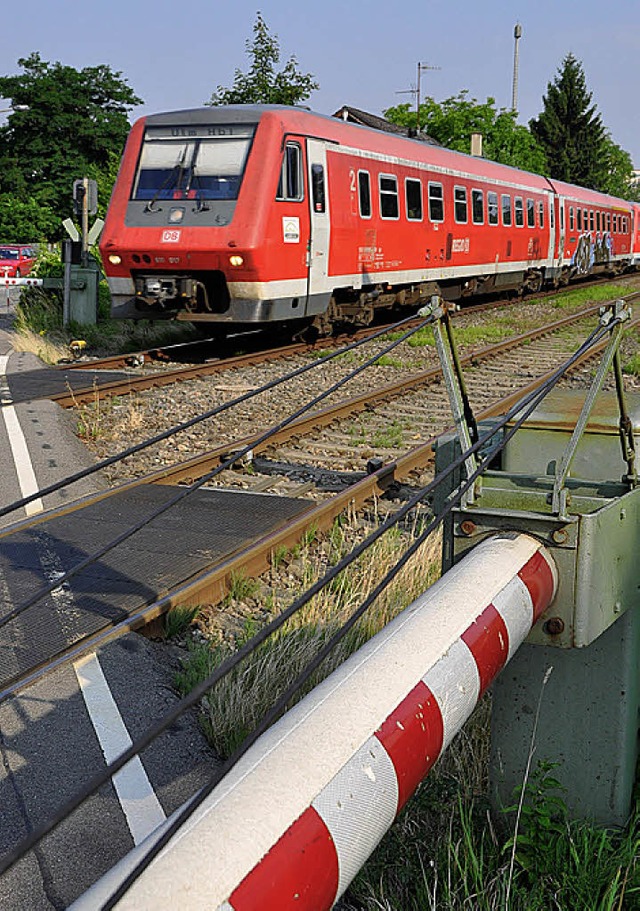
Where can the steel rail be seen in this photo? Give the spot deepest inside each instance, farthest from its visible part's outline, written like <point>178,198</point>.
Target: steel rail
<point>211,585</point>
<point>160,353</point>
<point>131,384</point>
<point>258,356</point>
<point>201,464</point>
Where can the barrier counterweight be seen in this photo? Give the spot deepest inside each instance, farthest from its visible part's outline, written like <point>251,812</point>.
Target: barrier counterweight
<point>296,819</point>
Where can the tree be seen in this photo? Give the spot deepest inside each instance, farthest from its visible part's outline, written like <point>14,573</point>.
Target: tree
<point>262,84</point>
<point>452,121</point>
<point>66,124</point>
<point>23,220</point>
<point>570,130</point>
<point>617,172</point>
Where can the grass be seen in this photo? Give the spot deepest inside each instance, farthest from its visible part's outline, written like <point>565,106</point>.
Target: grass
<point>178,620</point>
<point>38,324</point>
<point>236,705</point>
<point>89,423</point>
<point>445,854</point>
<point>632,366</point>
<point>387,361</point>
<point>583,297</point>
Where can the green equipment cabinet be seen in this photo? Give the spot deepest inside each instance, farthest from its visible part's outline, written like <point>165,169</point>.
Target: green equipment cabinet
<point>571,693</point>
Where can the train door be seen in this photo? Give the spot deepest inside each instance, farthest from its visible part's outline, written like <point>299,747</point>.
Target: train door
<point>560,230</point>
<point>320,225</point>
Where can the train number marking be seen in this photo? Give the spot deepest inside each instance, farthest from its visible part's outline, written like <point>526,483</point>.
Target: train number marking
<point>170,237</point>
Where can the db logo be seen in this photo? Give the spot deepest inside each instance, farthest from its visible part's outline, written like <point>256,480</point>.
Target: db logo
<point>170,237</point>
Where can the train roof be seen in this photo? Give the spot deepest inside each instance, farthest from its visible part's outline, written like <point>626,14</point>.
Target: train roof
<point>585,195</point>
<point>368,139</point>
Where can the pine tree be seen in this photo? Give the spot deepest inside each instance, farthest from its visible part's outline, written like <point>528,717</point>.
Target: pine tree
<point>262,84</point>
<point>570,130</point>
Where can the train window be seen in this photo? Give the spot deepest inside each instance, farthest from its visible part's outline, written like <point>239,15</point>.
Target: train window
<point>460,205</point>
<point>585,219</point>
<point>571,219</point>
<point>389,206</point>
<point>492,208</point>
<point>477,207</point>
<point>202,167</point>
<point>531,213</point>
<point>436,202</point>
<point>518,212</point>
<point>364,193</point>
<point>290,186</point>
<point>598,222</point>
<point>506,210</point>
<point>579,219</point>
<point>552,214</point>
<point>541,214</point>
<point>609,222</point>
<point>317,188</point>
<point>413,198</point>
<point>615,223</point>
<point>591,221</point>
<point>561,210</point>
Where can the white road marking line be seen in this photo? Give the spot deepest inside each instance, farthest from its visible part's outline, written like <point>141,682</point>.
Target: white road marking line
<point>18,444</point>
<point>137,797</point>
<point>138,800</point>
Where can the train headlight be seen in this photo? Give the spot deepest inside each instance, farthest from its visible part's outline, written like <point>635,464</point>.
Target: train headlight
<point>236,260</point>
<point>114,259</point>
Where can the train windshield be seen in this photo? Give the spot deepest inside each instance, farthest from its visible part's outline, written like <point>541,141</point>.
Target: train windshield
<point>203,162</point>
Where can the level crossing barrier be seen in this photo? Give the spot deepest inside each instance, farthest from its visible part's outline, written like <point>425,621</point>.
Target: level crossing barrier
<point>296,818</point>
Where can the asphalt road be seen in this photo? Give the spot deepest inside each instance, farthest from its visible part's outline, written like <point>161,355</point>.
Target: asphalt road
<point>55,735</point>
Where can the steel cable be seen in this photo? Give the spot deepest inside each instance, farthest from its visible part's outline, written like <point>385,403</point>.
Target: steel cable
<point>178,428</point>
<point>522,408</point>
<point>186,491</point>
<point>281,704</point>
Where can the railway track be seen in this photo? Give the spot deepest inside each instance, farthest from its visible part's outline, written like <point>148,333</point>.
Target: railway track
<point>316,456</point>
<point>380,420</point>
<point>161,375</point>
<point>409,465</point>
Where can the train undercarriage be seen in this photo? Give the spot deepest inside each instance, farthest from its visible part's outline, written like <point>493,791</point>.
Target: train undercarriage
<point>204,297</point>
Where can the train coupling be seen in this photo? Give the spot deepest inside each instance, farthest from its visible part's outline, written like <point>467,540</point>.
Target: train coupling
<point>164,288</point>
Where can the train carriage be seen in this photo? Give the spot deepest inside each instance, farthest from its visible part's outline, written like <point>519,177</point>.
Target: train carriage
<point>251,215</point>
<point>594,232</point>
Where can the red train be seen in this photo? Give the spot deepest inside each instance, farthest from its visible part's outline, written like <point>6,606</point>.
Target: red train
<point>251,215</point>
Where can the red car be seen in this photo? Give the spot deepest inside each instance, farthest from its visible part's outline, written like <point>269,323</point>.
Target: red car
<point>16,260</point>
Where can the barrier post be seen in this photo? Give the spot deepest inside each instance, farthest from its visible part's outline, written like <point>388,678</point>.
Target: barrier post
<point>588,721</point>
<point>294,820</point>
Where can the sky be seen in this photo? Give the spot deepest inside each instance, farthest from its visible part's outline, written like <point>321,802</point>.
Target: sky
<point>175,54</point>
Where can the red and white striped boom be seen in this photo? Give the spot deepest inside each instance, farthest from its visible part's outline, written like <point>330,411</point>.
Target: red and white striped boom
<point>298,816</point>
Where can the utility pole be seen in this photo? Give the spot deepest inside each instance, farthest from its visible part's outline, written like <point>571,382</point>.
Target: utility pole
<point>421,68</point>
<point>517,34</point>
<point>416,91</point>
